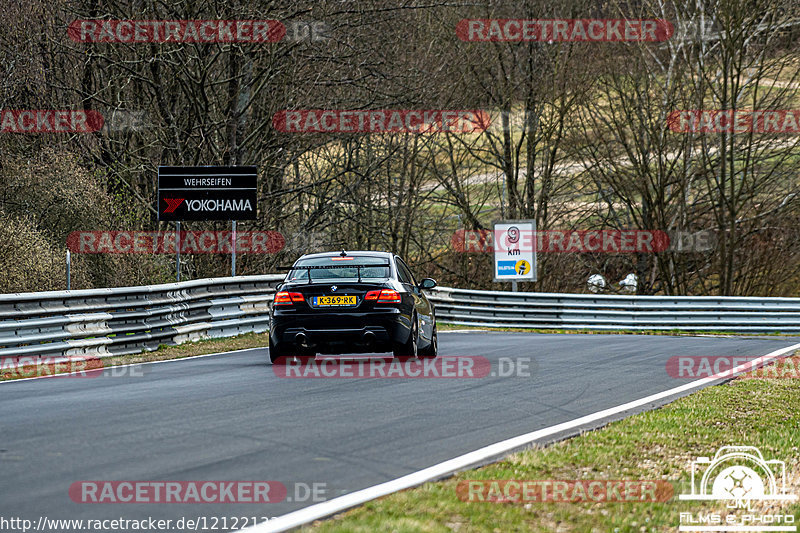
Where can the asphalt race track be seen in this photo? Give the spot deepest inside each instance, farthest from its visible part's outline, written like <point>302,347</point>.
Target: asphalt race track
<point>229,417</point>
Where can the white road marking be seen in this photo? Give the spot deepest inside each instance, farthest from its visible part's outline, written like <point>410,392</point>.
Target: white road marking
<point>98,370</point>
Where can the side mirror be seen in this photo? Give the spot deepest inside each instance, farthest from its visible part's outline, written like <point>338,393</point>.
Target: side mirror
<point>427,283</point>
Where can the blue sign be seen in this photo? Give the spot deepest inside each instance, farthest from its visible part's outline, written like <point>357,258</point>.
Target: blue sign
<point>506,268</point>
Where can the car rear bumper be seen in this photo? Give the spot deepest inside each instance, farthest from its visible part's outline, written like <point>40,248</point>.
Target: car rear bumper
<point>373,331</point>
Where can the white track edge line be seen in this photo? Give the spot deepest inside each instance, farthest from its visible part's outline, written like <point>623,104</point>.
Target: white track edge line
<point>67,374</point>
<point>328,508</point>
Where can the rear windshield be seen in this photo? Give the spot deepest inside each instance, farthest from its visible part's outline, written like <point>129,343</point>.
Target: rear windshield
<point>342,268</point>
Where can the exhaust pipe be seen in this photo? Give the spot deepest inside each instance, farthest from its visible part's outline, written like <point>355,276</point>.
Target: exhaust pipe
<point>369,338</point>
<point>301,340</point>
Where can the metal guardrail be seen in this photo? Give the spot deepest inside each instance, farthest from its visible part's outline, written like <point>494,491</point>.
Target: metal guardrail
<point>106,322</point>
<point>611,312</point>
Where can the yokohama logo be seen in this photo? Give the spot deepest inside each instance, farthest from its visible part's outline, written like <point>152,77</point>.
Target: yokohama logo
<point>172,204</point>
<point>218,205</point>
<point>207,205</point>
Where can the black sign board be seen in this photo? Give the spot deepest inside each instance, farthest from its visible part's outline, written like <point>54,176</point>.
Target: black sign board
<point>207,193</point>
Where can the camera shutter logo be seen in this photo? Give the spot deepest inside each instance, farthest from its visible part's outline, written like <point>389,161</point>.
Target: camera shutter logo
<point>738,476</point>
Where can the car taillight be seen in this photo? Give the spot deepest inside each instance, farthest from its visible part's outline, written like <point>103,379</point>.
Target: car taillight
<point>288,298</point>
<point>372,295</point>
<point>388,296</point>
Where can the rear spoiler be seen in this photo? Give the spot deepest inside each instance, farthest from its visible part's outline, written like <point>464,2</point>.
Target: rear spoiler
<point>327,267</point>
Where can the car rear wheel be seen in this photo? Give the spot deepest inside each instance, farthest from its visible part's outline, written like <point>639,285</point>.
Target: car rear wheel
<point>277,355</point>
<point>409,348</point>
<point>431,350</point>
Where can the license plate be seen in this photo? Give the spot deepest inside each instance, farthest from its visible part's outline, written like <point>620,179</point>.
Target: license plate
<point>331,301</point>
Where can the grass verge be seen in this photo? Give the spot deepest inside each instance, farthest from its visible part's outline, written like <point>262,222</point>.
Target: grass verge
<point>654,445</point>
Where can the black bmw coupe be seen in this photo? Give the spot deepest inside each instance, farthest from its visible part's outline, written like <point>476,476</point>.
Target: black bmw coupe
<point>346,302</point>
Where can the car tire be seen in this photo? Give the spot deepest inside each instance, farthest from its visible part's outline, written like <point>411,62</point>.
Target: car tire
<point>409,348</point>
<point>432,350</point>
<point>277,355</point>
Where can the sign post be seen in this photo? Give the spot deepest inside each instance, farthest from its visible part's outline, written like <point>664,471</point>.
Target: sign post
<point>515,251</point>
<point>233,249</point>
<point>207,193</point>
<point>178,250</point>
